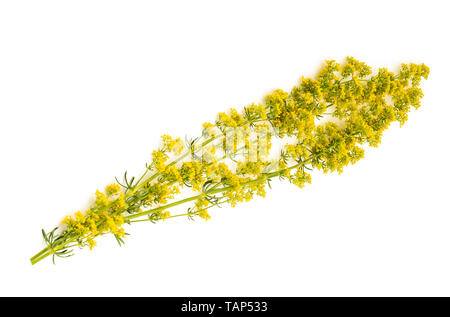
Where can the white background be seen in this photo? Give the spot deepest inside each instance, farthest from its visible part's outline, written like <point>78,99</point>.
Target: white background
<point>87,88</point>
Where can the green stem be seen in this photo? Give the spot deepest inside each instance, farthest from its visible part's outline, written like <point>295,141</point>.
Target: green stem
<point>38,255</point>
<point>206,142</point>
<point>185,214</point>
<point>156,174</point>
<point>211,192</point>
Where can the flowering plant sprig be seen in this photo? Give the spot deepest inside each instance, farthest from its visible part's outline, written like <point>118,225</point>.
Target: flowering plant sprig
<point>233,160</point>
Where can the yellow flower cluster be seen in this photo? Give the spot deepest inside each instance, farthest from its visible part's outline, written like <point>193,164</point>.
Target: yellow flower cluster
<point>159,193</point>
<point>192,174</point>
<point>104,216</point>
<point>159,159</point>
<point>251,168</point>
<point>256,111</point>
<point>201,207</point>
<point>226,120</point>
<point>172,145</point>
<point>364,107</point>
